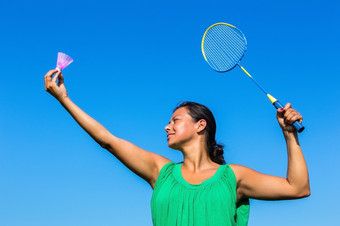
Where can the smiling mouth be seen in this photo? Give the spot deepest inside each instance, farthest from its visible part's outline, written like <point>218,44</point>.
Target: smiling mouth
<point>169,135</point>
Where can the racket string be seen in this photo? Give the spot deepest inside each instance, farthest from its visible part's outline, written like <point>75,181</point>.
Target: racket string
<point>224,47</point>
<point>211,52</point>
<point>226,34</point>
<point>229,45</point>
<point>216,59</point>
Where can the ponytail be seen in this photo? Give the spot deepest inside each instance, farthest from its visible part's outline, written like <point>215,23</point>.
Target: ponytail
<point>216,154</point>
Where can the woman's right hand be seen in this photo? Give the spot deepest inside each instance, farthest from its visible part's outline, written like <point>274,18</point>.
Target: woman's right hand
<point>287,116</point>
<point>57,90</point>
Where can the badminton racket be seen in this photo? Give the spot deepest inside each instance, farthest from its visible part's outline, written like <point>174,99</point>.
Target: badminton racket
<point>223,47</point>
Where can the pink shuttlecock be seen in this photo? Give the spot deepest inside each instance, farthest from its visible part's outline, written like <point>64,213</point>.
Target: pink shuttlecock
<point>63,61</point>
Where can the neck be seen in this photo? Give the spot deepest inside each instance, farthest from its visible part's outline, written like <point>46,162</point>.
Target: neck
<point>196,157</point>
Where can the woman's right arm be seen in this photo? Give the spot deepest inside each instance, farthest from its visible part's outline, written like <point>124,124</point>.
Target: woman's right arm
<point>145,164</point>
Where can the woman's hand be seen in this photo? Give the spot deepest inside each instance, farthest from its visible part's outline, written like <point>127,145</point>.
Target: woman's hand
<point>56,89</point>
<point>287,116</point>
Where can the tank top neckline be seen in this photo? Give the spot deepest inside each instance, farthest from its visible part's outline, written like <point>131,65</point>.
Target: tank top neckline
<point>179,177</point>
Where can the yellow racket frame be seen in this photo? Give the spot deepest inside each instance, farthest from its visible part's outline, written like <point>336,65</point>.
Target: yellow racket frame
<point>207,32</point>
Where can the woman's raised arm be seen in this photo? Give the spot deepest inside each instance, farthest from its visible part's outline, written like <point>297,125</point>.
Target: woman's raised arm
<point>145,164</point>
<point>296,184</point>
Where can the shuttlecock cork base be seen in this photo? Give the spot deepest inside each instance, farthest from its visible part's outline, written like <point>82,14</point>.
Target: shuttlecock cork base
<point>63,61</point>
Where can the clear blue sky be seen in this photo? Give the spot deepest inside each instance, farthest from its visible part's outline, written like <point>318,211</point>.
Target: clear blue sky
<point>133,62</point>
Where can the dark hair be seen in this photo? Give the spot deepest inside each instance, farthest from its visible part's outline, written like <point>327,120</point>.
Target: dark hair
<point>197,112</point>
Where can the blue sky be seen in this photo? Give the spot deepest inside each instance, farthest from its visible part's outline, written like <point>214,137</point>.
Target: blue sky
<point>133,62</point>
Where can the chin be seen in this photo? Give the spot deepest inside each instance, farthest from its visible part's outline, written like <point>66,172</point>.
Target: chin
<point>174,146</point>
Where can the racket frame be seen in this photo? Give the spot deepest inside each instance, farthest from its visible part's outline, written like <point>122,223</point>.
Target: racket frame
<point>245,48</point>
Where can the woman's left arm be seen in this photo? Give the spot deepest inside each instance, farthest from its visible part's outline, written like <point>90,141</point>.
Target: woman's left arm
<point>256,185</point>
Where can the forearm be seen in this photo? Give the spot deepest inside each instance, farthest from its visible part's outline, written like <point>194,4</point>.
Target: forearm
<point>90,125</point>
<point>297,172</point>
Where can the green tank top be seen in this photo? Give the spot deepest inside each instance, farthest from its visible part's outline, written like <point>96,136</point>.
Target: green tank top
<point>212,203</point>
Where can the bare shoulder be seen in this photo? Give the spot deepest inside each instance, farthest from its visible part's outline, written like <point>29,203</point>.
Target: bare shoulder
<point>236,168</point>
<point>239,168</point>
<point>240,171</point>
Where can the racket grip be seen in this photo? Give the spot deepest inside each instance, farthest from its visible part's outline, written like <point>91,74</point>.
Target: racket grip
<point>298,126</point>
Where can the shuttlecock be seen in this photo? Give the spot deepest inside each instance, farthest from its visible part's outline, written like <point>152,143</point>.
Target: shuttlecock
<point>63,61</point>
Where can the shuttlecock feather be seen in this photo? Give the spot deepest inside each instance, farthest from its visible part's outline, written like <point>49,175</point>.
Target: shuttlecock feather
<point>63,61</point>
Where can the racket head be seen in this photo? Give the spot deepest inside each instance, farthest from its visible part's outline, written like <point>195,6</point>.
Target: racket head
<point>223,46</point>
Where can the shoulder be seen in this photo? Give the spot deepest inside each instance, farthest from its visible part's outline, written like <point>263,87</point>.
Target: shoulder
<point>240,171</point>
<point>239,168</point>
<point>236,168</point>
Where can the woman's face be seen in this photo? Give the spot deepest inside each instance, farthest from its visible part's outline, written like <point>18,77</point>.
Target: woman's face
<point>181,129</point>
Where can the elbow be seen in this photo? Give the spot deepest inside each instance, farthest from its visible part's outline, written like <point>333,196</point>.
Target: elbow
<point>307,193</point>
<point>104,145</point>
<point>104,141</point>
<point>303,193</point>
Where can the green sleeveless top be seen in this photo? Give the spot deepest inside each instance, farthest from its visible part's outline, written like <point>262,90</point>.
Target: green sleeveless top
<point>212,203</point>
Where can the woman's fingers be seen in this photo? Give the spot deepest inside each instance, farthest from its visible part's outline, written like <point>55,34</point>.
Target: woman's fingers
<point>61,79</point>
<point>291,115</point>
<point>57,90</point>
<point>280,112</point>
<point>49,74</point>
<point>293,118</point>
<point>50,82</point>
<point>287,116</point>
<point>48,77</point>
<point>54,80</point>
<point>287,106</point>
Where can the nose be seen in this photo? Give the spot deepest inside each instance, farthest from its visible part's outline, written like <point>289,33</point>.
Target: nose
<point>167,128</point>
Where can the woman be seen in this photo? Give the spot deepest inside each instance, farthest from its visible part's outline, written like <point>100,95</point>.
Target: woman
<point>201,190</point>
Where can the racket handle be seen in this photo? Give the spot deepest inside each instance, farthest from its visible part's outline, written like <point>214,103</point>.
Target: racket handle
<point>298,126</point>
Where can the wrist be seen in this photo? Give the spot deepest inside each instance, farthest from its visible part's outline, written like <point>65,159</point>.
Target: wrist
<point>290,136</point>
<point>62,99</point>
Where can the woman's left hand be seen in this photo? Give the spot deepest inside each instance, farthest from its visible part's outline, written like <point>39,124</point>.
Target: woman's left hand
<point>287,116</point>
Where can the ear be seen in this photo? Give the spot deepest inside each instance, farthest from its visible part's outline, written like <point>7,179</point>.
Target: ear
<point>200,125</point>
